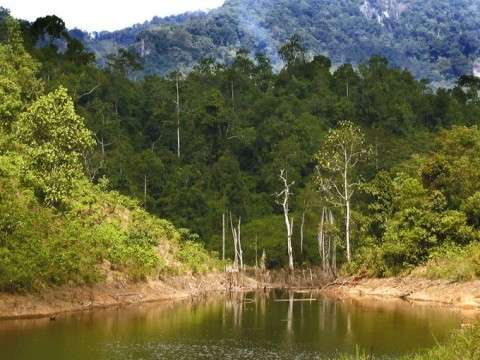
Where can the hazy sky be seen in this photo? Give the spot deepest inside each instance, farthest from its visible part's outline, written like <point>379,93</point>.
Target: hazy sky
<point>96,15</point>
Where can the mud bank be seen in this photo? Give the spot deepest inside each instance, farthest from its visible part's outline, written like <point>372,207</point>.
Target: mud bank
<point>461,295</point>
<point>52,302</point>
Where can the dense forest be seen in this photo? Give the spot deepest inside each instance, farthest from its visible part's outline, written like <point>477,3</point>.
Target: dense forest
<point>57,227</point>
<point>231,142</point>
<point>434,39</point>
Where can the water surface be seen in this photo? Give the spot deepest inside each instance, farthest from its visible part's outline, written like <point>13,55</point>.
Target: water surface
<point>277,325</point>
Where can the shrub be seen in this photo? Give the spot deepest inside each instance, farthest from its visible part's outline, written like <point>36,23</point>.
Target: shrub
<point>194,256</point>
<point>455,263</point>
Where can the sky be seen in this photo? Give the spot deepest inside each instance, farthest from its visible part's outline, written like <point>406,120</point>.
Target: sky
<point>98,15</point>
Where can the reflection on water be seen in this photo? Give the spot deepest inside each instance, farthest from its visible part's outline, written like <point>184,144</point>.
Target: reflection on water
<point>274,325</point>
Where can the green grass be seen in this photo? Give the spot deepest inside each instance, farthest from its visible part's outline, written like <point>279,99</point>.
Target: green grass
<point>463,345</point>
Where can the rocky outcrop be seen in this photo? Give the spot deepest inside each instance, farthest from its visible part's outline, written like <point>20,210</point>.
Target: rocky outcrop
<point>381,10</point>
<point>476,68</point>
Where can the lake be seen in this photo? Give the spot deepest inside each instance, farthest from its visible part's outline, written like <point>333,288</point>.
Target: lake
<point>273,325</point>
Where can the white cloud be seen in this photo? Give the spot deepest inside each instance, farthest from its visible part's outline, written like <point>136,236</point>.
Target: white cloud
<point>97,15</point>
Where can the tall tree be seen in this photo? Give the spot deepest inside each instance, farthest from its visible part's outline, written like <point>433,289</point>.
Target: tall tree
<point>343,149</point>
<point>293,52</point>
<point>56,139</point>
<point>283,198</point>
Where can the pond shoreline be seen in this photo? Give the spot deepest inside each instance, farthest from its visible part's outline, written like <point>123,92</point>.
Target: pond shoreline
<point>53,302</point>
<point>459,295</point>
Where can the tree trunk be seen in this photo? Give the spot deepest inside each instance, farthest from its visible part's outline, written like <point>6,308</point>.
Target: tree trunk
<point>289,244</point>
<point>178,117</point>
<point>347,231</point>
<point>301,232</point>
<point>333,246</point>
<point>235,245</point>
<point>239,242</point>
<point>145,191</point>
<point>102,143</point>
<point>285,194</point>
<point>347,208</point>
<point>233,96</point>
<point>256,251</point>
<point>223,236</point>
<point>321,240</point>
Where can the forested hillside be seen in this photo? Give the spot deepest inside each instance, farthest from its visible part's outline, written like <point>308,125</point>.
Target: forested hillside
<point>434,39</point>
<point>57,227</point>
<point>211,145</point>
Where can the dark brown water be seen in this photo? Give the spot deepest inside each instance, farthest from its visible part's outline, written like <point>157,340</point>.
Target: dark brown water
<point>242,326</point>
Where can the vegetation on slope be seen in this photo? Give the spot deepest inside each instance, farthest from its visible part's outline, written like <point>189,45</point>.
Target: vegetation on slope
<point>434,39</point>
<point>427,209</point>
<point>56,227</point>
<point>241,124</point>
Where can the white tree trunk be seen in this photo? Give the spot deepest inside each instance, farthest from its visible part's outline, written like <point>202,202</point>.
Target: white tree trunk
<point>321,240</point>
<point>256,251</point>
<point>290,249</point>
<point>333,245</point>
<point>347,207</point>
<point>235,245</point>
<point>285,194</point>
<point>223,236</point>
<point>301,231</point>
<point>178,117</point>
<point>239,242</point>
<point>347,231</point>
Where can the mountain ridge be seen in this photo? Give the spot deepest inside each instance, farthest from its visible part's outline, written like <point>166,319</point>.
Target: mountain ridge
<point>435,39</point>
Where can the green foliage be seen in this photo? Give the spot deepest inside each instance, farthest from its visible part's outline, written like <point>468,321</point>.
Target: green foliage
<point>342,150</point>
<point>464,344</point>
<point>56,139</point>
<point>193,256</point>
<point>95,234</point>
<point>293,52</point>
<point>440,49</point>
<point>240,123</point>
<point>18,85</point>
<point>456,263</point>
<point>38,246</point>
<point>432,212</point>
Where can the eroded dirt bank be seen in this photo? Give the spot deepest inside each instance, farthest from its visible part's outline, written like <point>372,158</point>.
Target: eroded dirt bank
<point>51,302</point>
<point>462,295</point>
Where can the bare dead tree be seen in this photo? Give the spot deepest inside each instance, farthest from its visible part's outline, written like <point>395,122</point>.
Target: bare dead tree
<point>256,252</point>
<point>223,236</point>
<point>177,103</point>
<point>240,251</point>
<point>321,240</point>
<point>282,199</point>
<point>88,92</point>
<point>237,244</point>
<point>302,225</point>
<point>326,241</point>
<point>103,145</point>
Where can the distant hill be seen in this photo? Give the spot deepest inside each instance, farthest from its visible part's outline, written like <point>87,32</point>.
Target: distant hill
<point>434,39</point>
